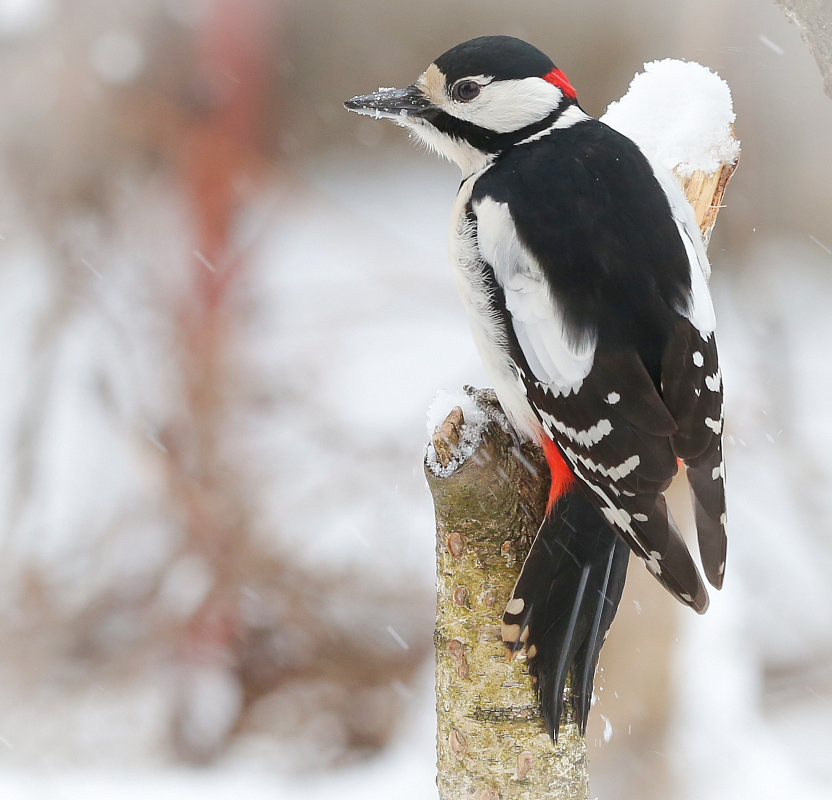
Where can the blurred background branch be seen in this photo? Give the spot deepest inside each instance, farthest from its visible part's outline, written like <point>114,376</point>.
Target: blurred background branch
<point>814,20</point>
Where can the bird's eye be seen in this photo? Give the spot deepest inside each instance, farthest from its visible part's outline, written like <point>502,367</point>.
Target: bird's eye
<point>465,91</point>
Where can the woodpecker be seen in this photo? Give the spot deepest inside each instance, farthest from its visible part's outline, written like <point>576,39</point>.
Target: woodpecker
<point>584,277</point>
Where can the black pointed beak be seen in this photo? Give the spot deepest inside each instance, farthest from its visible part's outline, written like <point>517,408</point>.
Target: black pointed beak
<point>390,103</point>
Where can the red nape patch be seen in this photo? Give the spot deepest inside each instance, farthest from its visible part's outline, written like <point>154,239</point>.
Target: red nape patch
<point>562,477</point>
<point>557,78</point>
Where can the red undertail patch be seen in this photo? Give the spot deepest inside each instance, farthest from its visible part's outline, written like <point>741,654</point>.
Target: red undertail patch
<point>562,477</point>
<point>557,78</point>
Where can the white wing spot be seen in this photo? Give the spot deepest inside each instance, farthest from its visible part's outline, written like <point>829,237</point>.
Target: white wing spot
<point>723,519</point>
<point>618,517</point>
<point>615,473</point>
<point>613,398</point>
<point>624,469</point>
<point>585,438</point>
<point>713,381</point>
<point>615,516</point>
<point>721,569</point>
<point>698,360</point>
<point>652,562</point>
<point>714,424</point>
<point>640,517</point>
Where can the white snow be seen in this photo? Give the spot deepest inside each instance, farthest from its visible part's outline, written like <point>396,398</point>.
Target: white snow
<point>445,401</point>
<point>680,114</point>
<point>470,435</point>
<point>771,45</point>
<point>821,245</point>
<point>607,728</point>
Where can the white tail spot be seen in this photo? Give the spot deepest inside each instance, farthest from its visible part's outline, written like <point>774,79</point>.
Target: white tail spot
<point>515,605</point>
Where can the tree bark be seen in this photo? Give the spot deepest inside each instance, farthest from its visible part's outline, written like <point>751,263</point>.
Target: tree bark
<point>814,20</point>
<point>490,741</point>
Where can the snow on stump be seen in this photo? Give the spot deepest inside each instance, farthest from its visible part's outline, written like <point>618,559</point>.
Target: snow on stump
<point>681,116</point>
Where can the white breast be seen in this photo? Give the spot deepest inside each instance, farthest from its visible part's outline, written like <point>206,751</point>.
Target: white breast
<point>487,328</point>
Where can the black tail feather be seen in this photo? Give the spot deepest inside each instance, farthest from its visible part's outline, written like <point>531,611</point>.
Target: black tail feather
<point>604,613</point>
<point>706,478</point>
<point>564,602</point>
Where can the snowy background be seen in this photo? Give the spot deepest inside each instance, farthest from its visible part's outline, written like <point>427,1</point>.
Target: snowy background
<point>225,308</point>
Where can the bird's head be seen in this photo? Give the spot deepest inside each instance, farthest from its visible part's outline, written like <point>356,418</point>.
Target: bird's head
<point>477,99</point>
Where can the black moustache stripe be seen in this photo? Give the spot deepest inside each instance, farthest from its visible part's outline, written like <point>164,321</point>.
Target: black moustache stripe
<point>483,139</point>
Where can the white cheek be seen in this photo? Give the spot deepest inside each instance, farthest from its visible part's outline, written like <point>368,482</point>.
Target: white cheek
<point>505,106</point>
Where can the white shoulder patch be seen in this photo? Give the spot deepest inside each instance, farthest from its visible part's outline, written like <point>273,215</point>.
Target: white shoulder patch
<point>558,364</point>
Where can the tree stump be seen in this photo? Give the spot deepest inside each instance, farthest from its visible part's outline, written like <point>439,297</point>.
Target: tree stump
<point>491,742</point>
